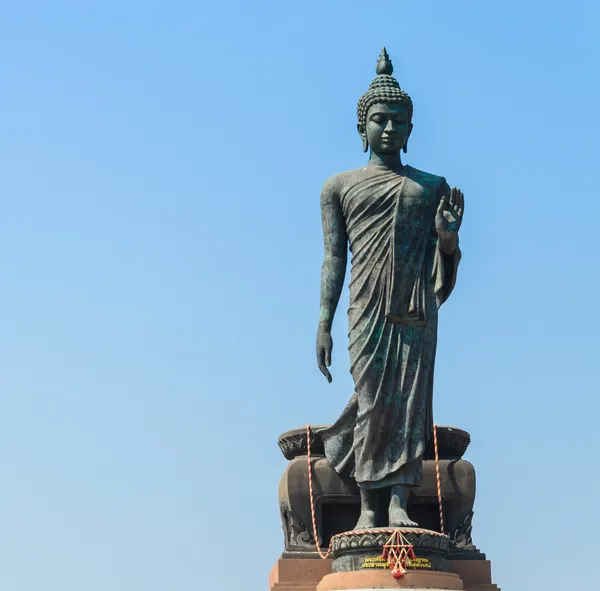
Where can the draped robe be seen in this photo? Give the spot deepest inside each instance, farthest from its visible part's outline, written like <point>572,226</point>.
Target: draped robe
<point>400,278</point>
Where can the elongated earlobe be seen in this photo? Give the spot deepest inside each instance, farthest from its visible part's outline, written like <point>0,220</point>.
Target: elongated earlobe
<point>363,136</point>
<point>405,147</point>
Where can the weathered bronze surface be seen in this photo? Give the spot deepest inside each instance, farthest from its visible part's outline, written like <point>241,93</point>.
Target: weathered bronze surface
<point>401,226</point>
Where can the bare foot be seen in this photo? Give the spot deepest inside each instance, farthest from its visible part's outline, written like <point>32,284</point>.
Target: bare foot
<point>399,518</point>
<point>366,520</point>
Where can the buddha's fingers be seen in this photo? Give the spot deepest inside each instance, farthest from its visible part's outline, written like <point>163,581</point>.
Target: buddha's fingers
<point>443,204</point>
<point>326,373</point>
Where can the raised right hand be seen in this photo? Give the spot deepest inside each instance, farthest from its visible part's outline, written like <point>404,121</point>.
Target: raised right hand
<point>324,348</point>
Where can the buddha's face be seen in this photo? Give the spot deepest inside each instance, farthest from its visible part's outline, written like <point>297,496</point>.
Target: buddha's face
<point>388,128</point>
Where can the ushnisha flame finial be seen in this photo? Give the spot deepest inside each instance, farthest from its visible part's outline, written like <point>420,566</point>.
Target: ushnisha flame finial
<point>384,65</point>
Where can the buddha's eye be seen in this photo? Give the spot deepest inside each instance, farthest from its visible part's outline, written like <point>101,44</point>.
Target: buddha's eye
<point>378,118</point>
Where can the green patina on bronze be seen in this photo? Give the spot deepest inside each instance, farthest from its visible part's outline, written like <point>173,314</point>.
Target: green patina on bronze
<point>401,226</point>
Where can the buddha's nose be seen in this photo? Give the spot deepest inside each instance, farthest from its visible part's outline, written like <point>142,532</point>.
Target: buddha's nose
<point>390,127</point>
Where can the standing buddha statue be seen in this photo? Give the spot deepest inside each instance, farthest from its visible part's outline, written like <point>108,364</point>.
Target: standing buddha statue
<point>401,226</point>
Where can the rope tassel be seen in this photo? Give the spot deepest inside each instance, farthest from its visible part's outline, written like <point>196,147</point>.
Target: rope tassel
<point>398,551</point>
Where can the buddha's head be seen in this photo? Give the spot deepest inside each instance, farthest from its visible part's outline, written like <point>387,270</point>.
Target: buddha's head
<point>385,112</point>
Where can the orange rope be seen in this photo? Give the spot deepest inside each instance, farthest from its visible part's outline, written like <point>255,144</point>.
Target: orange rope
<point>312,501</point>
<point>437,477</point>
<point>372,531</point>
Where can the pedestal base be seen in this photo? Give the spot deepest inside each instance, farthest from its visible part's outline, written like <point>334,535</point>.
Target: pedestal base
<point>476,574</point>
<point>305,574</point>
<point>358,550</point>
<point>384,581</point>
<point>298,574</point>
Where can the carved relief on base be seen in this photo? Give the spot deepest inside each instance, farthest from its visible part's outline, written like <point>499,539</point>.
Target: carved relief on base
<point>461,536</point>
<point>296,534</point>
<point>376,540</point>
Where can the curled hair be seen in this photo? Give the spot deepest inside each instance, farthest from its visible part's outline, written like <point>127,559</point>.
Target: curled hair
<point>383,89</point>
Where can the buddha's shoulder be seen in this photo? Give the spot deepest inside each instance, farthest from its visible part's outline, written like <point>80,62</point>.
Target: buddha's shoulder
<point>425,179</point>
<point>340,182</point>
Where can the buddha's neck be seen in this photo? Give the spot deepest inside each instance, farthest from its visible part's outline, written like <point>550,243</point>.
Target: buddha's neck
<point>391,161</point>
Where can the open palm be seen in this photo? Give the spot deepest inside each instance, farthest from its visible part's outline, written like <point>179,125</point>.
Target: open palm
<point>449,213</point>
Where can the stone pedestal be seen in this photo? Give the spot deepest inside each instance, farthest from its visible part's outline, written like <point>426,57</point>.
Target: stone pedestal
<point>475,574</point>
<point>337,501</point>
<point>362,550</point>
<point>384,581</point>
<point>460,566</point>
<point>311,574</point>
<point>298,574</point>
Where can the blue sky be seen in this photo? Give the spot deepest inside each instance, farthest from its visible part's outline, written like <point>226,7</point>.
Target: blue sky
<point>160,250</point>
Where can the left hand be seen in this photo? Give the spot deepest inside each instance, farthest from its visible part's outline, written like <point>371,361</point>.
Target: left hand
<point>448,217</point>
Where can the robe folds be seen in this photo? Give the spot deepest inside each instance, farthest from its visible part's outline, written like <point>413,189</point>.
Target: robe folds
<point>400,278</point>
